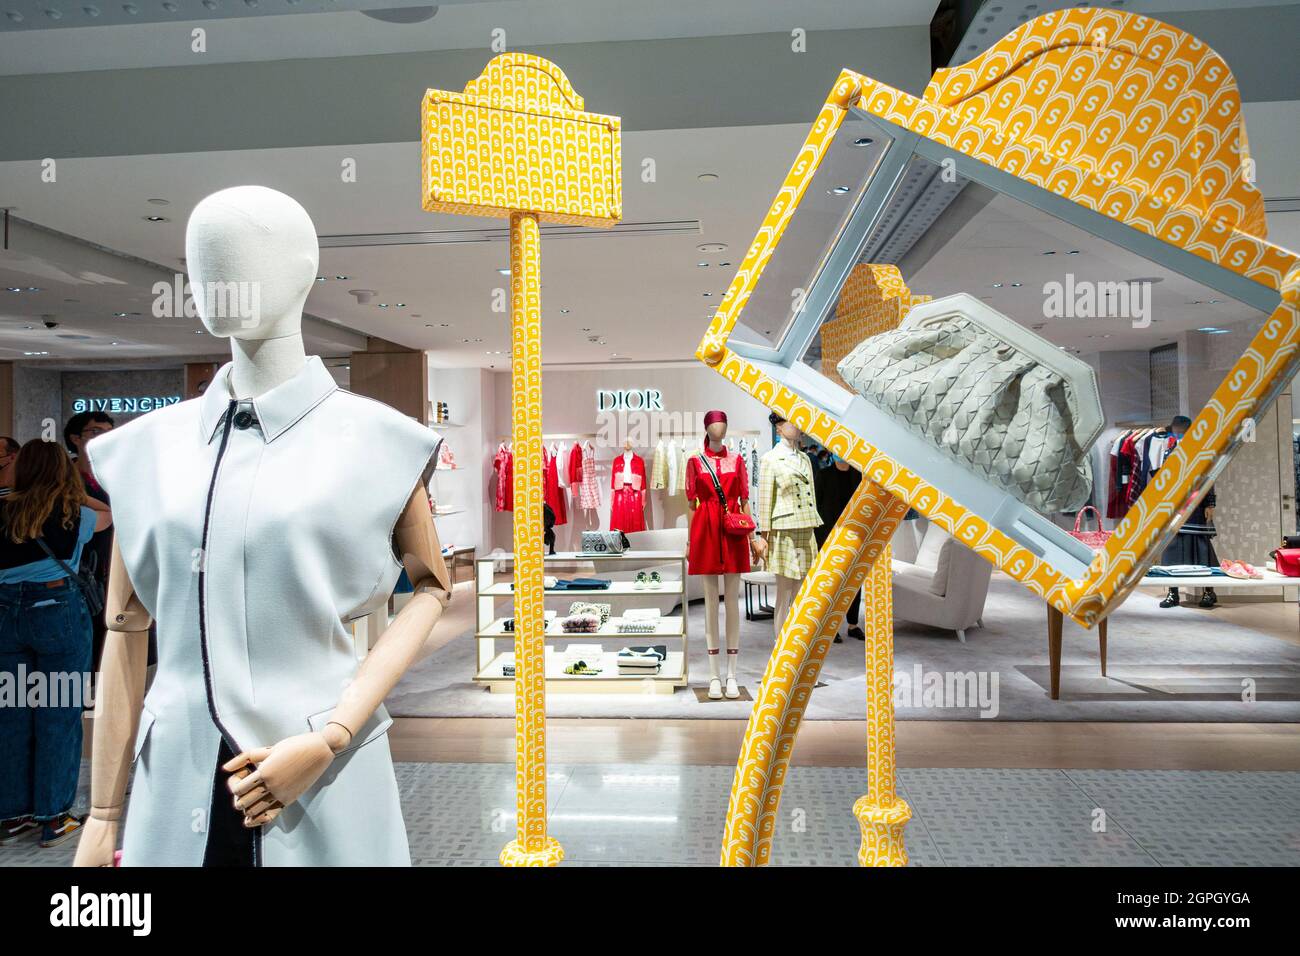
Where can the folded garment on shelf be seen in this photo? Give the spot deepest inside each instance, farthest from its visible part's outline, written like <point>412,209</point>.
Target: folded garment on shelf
<point>641,614</point>
<point>637,627</point>
<point>580,624</point>
<point>587,607</point>
<point>637,671</point>
<point>650,656</point>
<point>1186,571</point>
<point>578,584</point>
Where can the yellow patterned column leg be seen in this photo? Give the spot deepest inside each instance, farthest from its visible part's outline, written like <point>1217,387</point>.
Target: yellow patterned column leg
<point>531,846</point>
<point>881,814</point>
<point>857,541</point>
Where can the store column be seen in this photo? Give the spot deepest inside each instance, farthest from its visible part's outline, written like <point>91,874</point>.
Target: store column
<point>517,144</point>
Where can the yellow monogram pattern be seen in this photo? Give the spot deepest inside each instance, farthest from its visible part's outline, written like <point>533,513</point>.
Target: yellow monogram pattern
<point>1126,116</point>
<point>874,299</point>
<point>859,539</point>
<point>516,144</point>
<point>1099,44</point>
<point>517,138</point>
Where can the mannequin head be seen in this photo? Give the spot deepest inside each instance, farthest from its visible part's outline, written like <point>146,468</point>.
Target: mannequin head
<point>715,426</point>
<point>252,255</point>
<point>786,429</point>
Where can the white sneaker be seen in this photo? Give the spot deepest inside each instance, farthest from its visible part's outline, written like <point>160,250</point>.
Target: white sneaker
<point>715,689</point>
<point>733,691</point>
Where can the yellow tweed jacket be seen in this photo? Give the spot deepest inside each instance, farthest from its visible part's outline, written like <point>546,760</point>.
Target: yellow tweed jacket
<point>786,499</point>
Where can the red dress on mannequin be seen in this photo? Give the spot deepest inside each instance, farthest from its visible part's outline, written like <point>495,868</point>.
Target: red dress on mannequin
<point>552,491</point>
<point>712,550</point>
<point>627,506</point>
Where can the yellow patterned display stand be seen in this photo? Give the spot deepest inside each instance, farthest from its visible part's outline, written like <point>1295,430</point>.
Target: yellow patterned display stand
<point>517,144</point>
<point>1127,117</point>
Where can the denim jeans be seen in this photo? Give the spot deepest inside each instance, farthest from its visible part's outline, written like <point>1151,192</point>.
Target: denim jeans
<point>43,630</point>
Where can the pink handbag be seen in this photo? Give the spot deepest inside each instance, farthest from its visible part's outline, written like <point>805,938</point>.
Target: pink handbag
<point>1093,539</point>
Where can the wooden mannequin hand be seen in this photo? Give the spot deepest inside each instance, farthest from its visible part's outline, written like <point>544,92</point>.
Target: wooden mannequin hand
<point>97,843</point>
<point>266,780</point>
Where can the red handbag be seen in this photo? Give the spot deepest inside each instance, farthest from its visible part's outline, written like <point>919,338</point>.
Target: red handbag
<point>1287,561</point>
<point>735,523</point>
<point>1093,539</point>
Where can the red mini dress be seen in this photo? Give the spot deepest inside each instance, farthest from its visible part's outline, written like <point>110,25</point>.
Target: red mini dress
<point>712,550</point>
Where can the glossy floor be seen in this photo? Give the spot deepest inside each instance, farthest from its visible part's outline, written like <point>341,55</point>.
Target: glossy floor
<point>461,814</point>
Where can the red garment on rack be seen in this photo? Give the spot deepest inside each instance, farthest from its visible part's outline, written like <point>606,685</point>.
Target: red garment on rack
<point>712,550</point>
<point>627,506</point>
<point>553,493</point>
<point>574,465</point>
<point>503,463</point>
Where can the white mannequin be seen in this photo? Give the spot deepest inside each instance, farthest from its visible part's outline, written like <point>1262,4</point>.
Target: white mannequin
<point>715,432</point>
<point>786,588</point>
<point>254,235</point>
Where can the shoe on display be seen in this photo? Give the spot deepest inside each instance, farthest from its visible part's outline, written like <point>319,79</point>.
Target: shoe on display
<point>1171,599</point>
<point>59,829</point>
<point>857,633</point>
<point>733,691</point>
<point>17,828</point>
<point>642,581</point>
<point>715,688</point>
<point>656,579</point>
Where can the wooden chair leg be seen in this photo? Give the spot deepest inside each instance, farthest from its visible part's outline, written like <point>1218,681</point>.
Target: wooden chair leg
<point>1101,644</point>
<point>1055,621</point>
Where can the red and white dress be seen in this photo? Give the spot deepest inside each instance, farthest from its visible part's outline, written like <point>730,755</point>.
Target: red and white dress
<point>711,549</point>
<point>627,506</point>
<point>585,471</point>
<point>503,463</point>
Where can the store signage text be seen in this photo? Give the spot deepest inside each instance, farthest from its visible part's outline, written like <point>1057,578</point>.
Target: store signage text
<point>124,404</point>
<point>629,400</point>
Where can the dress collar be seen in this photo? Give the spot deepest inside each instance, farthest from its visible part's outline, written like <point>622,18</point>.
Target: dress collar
<point>277,410</point>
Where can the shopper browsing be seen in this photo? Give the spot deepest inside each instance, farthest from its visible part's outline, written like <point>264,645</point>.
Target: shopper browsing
<point>80,429</point>
<point>45,632</point>
<point>8,456</point>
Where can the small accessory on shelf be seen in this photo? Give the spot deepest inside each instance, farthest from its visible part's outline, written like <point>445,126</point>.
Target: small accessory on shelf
<point>581,669</point>
<point>580,624</point>
<point>656,579</point>
<point>642,580</point>
<point>604,542</point>
<point>579,584</point>
<point>1287,561</point>
<point>587,607</point>
<point>1093,539</point>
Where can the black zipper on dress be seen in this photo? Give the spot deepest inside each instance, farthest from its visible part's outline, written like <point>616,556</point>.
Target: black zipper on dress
<point>203,606</point>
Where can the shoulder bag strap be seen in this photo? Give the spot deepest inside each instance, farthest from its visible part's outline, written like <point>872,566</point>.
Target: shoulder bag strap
<point>717,485</point>
<point>87,593</point>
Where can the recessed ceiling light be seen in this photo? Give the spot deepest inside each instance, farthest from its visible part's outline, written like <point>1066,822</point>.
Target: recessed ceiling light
<point>1050,252</point>
<point>120,315</point>
<point>723,265</point>
<point>863,141</point>
<point>36,353</point>
<point>702,265</point>
<point>155,219</point>
<point>320,278</point>
<point>198,331</point>
<point>838,190</point>
<point>1211,330</point>
<point>584,330</point>
<point>383,305</point>
<point>707,177</point>
<point>712,247</point>
<point>340,277</point>
<point>112,343</point>
<point>1015,285</point>
<point>444,325</point>
<point>1072,252</point>
<point>997,285</point>
<point>159,202</point>
<point>33,288</point>
<point>504,272</point>
<point>13,288</point>
<point>707,294</point>
<point>564,312</point>
<point>401,305</point>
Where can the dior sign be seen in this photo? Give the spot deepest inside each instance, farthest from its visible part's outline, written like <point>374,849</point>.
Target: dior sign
<point>629,400</point>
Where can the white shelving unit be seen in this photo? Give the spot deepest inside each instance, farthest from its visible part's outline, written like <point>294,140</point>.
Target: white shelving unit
<point>492,659</point>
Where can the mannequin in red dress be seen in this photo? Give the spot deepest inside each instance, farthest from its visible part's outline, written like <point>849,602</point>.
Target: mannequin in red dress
<point>627,504</point>
<point>711,551</point>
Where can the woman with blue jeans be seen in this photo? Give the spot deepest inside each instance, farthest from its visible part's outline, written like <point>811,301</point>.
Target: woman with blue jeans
<point>44,630</point>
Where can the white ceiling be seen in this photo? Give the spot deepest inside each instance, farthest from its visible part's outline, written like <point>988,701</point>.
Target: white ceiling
<point>457,26</point>
<point>644,295</point>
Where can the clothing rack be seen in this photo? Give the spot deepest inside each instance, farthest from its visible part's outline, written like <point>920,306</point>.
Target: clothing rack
<point>559,436</point>
<point>731,433</point>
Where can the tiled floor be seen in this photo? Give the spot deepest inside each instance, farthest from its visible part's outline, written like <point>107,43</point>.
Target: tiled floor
<point>461,814</point>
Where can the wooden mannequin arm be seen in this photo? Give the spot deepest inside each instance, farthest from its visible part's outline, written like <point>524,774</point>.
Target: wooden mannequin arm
<point>118,700</point>
<point>266,780</point>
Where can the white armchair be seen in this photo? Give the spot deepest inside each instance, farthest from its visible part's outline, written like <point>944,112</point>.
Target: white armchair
<point>945,586</point>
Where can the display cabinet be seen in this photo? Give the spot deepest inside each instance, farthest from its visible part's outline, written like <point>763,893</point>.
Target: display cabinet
<point>493,592</point>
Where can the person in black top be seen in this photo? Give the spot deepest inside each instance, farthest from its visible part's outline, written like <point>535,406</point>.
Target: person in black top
<point>1194,542</point>
<point>834,486</point>
<point>80,429</point>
